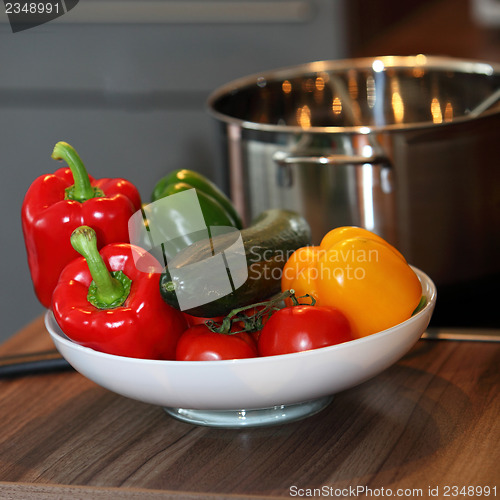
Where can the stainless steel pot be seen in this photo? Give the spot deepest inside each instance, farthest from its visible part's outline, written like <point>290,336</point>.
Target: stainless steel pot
<point>405,146</point>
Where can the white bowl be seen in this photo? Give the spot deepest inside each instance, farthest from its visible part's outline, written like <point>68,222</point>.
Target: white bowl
<point>249,392</point>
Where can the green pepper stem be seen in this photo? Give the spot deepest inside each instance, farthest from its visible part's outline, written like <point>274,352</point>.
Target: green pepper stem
<point>106,290</point>
<point>81,190</point>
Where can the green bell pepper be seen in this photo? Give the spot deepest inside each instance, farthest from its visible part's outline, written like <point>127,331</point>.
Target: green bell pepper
<point>215,205</point>
<point>213,213</point>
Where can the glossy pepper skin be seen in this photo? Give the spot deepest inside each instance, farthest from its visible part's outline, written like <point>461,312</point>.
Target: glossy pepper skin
<point>359,273</point>
<point>216,206</point>
<point>104,302</point>
<point>56,204</point>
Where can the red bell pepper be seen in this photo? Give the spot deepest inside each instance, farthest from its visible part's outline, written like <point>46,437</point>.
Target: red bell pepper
<point>56,204</point>
<point>104,302</point>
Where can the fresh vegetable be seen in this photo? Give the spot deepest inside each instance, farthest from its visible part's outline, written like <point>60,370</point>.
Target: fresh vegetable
<point>198,343</point>
<point>213,213</point>
<point>57,203</point>
<point>104,302</point>
<point>216,206</point>
<point>303,327</point>
<point>182,219</point>
<point>173,223</point>
<point>359,273</point>
<point>268,243</point>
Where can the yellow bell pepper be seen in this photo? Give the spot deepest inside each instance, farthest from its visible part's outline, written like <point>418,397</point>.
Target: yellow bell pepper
<point>358,272</point>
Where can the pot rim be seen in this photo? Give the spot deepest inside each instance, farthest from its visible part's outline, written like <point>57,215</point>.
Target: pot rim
<point>385,62</point>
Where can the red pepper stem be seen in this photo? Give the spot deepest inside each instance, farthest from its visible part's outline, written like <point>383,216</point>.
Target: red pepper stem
<point>106,291</point>
<point>81,190</point>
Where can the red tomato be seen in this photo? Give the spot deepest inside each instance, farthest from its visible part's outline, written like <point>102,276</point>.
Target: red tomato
<point>198,343</point>
<point>303,327</point>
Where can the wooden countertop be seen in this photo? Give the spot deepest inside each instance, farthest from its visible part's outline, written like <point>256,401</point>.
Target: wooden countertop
<point>430,421</point>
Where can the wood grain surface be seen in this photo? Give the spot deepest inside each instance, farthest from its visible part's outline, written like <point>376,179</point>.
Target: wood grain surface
<point>431,420</point>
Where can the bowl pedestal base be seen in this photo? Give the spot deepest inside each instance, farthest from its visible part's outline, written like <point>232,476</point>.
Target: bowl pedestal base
<point>261,417</point>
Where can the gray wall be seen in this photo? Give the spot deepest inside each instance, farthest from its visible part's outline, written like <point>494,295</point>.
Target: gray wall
<point>130,98</point>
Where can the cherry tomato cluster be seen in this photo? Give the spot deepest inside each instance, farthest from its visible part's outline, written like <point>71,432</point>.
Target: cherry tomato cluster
<point>287,330</point>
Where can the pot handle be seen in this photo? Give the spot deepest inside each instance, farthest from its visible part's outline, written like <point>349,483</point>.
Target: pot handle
<point>282,158</point>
